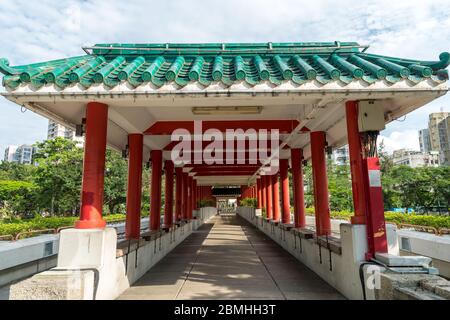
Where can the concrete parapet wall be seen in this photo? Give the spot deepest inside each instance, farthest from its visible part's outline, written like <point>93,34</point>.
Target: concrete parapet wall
<point>430,245</point>
<point>338,261</point>
<point>340,270</point>
<point>137,262</point>
<point>23,258</point>
<point>110,271</point>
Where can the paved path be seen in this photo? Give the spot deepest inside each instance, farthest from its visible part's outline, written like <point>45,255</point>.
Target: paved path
<point>228,258</point>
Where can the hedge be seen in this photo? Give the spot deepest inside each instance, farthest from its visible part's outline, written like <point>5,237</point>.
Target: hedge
<point>39,223</point>
<point>395,217</point>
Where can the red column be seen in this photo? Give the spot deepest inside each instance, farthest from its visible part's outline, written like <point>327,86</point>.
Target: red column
<point>258,193</point>
<point>356,163</point>
<point>185,196</point>
<point>319,168</point>
<point>155,197</point>
<point>93,167</point>
<point>366,186</point>
<point>178,193</point>
<point>376,227</point>
<point>276,197</point>
<point>192,195</point>
<point>269,197</point>
<point>264,191</point>
<point>189,198</point>
<point>134,190</point>
<point>299,197</point>
<point>195,189</point>
<point>168,195</point>
<point>284,180</point>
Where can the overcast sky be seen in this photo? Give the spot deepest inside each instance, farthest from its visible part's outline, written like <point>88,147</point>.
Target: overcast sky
<point>34,31</point>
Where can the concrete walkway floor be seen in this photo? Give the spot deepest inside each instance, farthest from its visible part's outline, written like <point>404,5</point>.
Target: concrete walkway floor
<point>227,258</point>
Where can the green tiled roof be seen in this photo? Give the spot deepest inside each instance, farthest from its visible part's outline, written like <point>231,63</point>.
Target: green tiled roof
<point>159,64</point>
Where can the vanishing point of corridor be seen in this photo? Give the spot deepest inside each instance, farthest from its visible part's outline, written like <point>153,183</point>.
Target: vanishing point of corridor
<point>227,258</point>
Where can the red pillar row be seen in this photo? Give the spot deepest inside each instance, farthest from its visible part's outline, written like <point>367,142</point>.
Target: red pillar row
<point>188,197</point>
<point>319,168</point>
<point>264,192</point>
<point>276,197</point>
<point>298,189</point>
<point>185,196</point>
<point>258,193</point>
<point>366,186</point>
<point>93,167</point>
<point>179,193</point>
<point>155,198</point>
<point>194,189</point>
<point>356,163</point>
<point>168,195</point>
<point>192,202</point>
<point>134,190</point>
<point>284,180</point>
<point>269,207</point>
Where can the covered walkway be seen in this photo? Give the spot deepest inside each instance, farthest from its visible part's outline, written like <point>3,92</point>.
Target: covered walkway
<point>216,115</point>
<point>228,258</point>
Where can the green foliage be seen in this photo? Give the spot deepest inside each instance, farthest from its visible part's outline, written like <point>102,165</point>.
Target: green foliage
<point>17,172</point>
<point>56,181</point>
<point>248,202</point>
<point>403,187</point>
<point>420,220</point>
<point>340,188</point>
<point>417,188</point>
<point>40,223</point>
<point>395,217</point>
<point>16,197</point>
<point>264,212</point>
<point>205,202</point>
<point>116,172</point>
<point>58,176</point>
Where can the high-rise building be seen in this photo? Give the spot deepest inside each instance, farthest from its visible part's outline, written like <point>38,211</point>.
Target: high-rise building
<point>20,154</point>
<point>439,131</point>
<point>10,154</point>
<point>424,140</point>
<point>415,159</point>
<point>57,130</point>
<point>340,155</point>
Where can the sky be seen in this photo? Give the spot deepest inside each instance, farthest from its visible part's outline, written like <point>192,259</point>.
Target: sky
<point>35,31</point>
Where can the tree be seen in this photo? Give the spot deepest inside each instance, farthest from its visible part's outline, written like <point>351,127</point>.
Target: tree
<point>308,183</point>
<point>385,160</point>
<point>418,188</point>
<point>16,171</point>
<point>116,171</point>
<point>16,198</point>
<point>58,176</point>
<point>441,177</point>
<point>340,188</point>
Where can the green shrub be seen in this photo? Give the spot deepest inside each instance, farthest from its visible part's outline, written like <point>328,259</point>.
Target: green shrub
<point>396,217</point>
<point>16,197</point>
<point>206,202</point>
<point>39,223</point>
<point>248,202</point>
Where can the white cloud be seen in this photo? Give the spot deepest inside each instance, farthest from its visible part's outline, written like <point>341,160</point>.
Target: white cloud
<point>408,139</point>
<point>33,31</point>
